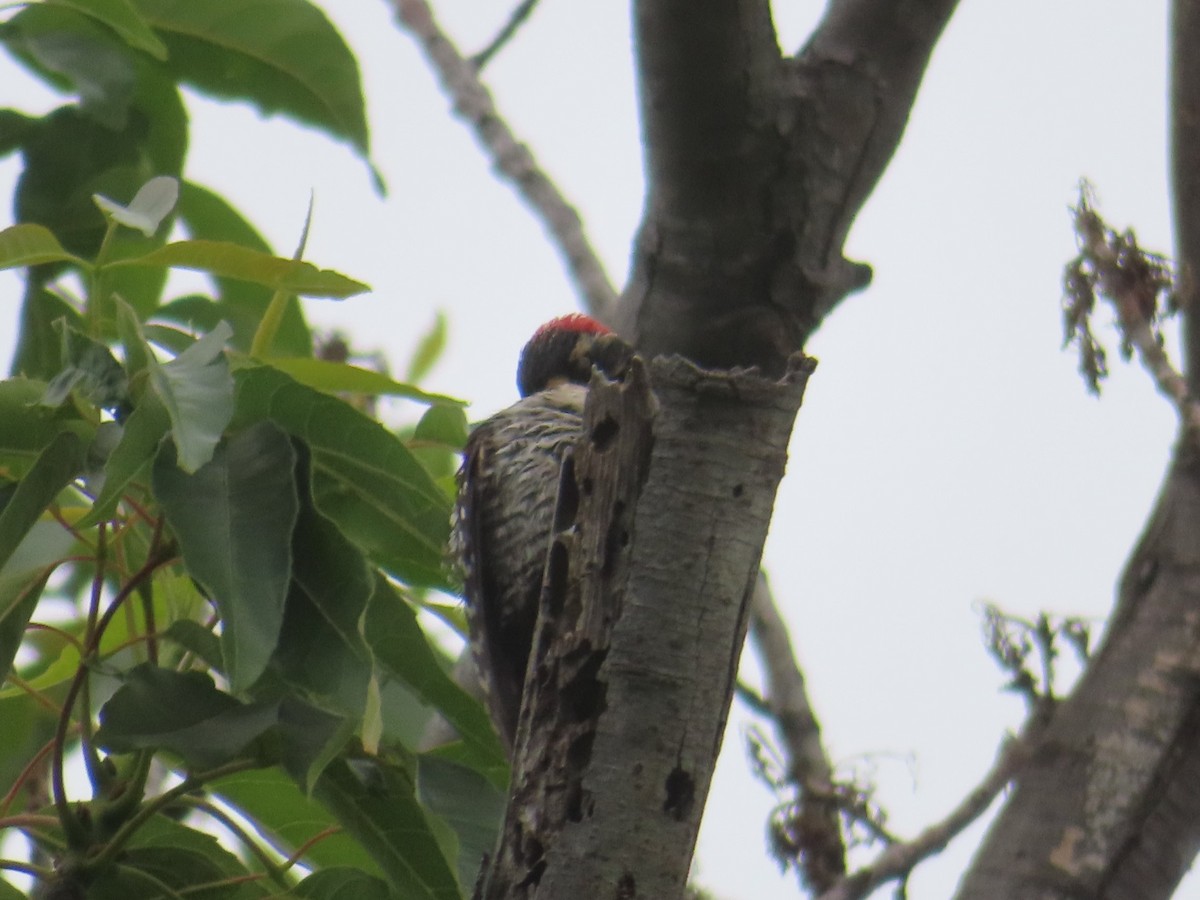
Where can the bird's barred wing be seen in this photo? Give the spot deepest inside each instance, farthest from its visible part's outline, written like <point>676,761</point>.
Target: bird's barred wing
<point>507,490</point>
<point>484,601</point>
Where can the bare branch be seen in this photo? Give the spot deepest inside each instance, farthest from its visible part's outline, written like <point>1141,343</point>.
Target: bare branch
<point>820,847</point>
<point>898,860</point>
<point>1185,173</point>
<point>515,21</point>
<point>786,696</point>
<point>512,159</point>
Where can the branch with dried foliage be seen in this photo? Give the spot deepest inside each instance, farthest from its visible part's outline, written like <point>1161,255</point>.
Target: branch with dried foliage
<point>899,859</point>
<point>1138,284</point>
<point>812,834</point>
<point>511,158</point>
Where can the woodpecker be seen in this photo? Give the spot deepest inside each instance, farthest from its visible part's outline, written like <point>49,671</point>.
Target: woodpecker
<point>506,494</point>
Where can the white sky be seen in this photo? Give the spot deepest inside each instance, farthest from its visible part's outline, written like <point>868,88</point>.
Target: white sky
<point>947,451</point>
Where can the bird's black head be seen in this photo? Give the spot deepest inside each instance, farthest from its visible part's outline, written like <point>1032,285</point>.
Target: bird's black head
<point>565,349</point>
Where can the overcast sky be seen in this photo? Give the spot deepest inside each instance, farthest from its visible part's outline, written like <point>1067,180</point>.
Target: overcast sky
<point>947,451</point>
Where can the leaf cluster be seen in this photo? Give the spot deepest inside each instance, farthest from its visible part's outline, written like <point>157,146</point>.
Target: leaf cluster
<point>212,554</point>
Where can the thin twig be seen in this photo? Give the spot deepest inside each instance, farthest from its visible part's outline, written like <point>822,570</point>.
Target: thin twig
<point>898,860</point>
<point>71,824</point>
<point>91,756</point>
<point>515,21</point>
<point>785,696</point>
<point>512,159</point>
<point>30,770</point>
<point>270,866</point>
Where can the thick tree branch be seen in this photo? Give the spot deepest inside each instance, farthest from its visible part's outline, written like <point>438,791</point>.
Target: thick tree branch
<point>1185,174</point>
<point>706,70</point>
<point>757,167</point>
<point>512,159</point>
<point>862,68</point>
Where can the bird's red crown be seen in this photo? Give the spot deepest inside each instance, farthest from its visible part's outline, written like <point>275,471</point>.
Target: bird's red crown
<point>576,323</point>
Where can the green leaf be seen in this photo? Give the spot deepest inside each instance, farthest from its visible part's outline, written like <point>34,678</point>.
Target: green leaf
<point>197,391</point>
<point>27,428</point>
<point>232,261</point>
<point>320,649</point>
<point>335,377</point>
<point>75,53</point>
<point>445,425</point>
<point>31,245</point>
<point>436,441</point>
<point>171,338</point>
<point>282,55</point>
<point>19,595</point>
<point>141,436</point>
<point>342,883</point>
<point>374,800</point>
<point>164,853</point>
<point>209,216</point>
<point>364,478</point>
<point>122,18</point>
<point>183,713</point>
<point>39,354</point>
<point>469,803</point>
<point>289,818</point>
<point>15,129</point>
<point>129,329</point>
<point>89,366</point>
<point>234,519</point>
<point>199,640</point>
<point>53,470</point>
<point>402,651</point>
<point>309,738</point>
<point>429,350</point>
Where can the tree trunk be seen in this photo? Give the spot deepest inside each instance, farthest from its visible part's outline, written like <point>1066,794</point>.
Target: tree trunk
<point>663,512</point>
